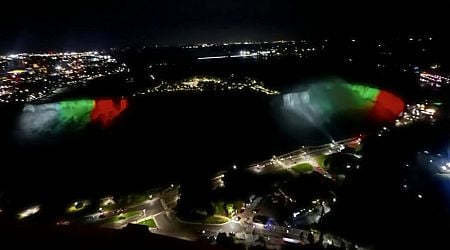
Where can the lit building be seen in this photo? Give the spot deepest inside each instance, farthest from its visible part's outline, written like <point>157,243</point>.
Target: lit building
<point>434,80</point>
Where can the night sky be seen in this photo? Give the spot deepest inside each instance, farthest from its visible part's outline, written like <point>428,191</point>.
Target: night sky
<point>47,25</point>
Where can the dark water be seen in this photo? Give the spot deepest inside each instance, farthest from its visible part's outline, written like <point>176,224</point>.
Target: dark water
<point>157,140</point>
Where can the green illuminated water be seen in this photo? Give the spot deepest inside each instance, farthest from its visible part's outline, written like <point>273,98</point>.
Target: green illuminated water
<point>363,96</point>
<point>75,114</point>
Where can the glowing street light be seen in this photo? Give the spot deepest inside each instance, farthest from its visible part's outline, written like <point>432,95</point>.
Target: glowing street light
<point>28,212</point>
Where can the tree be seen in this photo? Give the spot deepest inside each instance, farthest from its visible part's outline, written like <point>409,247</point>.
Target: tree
<point>311,238</point>
<point>224,240</point>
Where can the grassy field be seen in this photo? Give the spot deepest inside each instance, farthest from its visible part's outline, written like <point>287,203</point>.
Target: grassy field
<point>321,160</point>
<point>149,223</point>
<point>126,201</point>
<point>72,209</point>
<point>81,206</point>
<point>132,199</point>
<point>122,216</point>
<point>216,220</point>
<point>303,168</point>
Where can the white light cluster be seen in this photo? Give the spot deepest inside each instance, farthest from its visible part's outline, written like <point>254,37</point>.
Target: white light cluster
<point>417,112</point>
<point>30,77</point>
<point>434,80</point>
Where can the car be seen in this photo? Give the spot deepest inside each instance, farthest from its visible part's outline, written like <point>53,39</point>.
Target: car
<point>256,210</point>
<point>118,211</point>
<point>63,223</point>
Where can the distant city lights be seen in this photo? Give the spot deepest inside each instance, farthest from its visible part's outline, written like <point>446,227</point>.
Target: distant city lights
<point>30,77</point>
<point>434,80</point>
<point>209,83</point>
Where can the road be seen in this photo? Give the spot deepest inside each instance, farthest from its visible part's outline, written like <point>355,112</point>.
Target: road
<point>161,210</point>
<point>161,207</point>
<point>303,155</point>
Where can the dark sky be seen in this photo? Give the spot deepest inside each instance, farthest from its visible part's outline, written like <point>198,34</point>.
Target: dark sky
<point>81,24</point>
